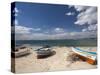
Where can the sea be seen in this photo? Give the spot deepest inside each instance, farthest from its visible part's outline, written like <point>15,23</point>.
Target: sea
<point>65,42</point>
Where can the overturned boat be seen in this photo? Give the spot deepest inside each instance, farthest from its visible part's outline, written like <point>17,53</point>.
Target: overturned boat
<point>89,55</point>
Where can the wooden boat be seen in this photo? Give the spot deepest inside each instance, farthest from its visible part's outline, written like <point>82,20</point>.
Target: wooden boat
<point>43,52</point>
<point>88,56</point>
<point>20,52</point>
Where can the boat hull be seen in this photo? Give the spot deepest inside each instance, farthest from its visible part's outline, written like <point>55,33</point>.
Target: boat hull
<point>88,57</point>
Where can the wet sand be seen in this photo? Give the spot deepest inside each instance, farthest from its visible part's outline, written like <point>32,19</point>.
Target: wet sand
<point>56,62</point>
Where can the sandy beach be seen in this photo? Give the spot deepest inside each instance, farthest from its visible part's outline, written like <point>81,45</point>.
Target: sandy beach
<point>57,62</point>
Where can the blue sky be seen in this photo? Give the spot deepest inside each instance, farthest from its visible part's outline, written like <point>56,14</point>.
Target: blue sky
<point>50,21</point>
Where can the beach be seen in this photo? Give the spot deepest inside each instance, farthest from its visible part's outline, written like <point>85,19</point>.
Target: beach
<point>57,62</point>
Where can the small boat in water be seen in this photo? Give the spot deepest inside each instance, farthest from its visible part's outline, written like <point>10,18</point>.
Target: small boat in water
<point>89,56</point>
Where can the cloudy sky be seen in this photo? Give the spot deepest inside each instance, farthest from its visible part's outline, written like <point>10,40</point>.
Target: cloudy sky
<point>46,21</point>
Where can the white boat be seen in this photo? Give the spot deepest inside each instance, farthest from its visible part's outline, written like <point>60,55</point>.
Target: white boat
<point>21,52</point>
<point>89,56</point>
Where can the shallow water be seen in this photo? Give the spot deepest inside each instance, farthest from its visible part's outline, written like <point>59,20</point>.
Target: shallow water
<point>81,42</point>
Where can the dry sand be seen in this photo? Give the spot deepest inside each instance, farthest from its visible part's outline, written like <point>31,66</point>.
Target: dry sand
<point>57,62</point>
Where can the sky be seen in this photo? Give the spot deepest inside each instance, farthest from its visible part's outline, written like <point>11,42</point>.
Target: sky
<point>36,21</point>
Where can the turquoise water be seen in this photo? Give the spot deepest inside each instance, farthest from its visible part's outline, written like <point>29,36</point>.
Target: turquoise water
<point>80,42</point>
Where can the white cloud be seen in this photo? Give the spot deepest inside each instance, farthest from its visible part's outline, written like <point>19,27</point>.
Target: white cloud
<point>22,29</point>
<point>69,13</point>
<point>92,27</point>
<point>16,22</point>
<point>84,30</point>
<point>87,16</point>
<point>15,14</point>
<point>80,8</point>
<point>58,30</point>
<point>36,29</point>
<point>16,10</point>
<point>70,6</point>
<point>43,36</point>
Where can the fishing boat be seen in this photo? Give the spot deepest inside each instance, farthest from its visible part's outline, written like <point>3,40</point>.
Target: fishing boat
<point>22,51</point>
<point>44,52</point>
<point>89,56</point>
